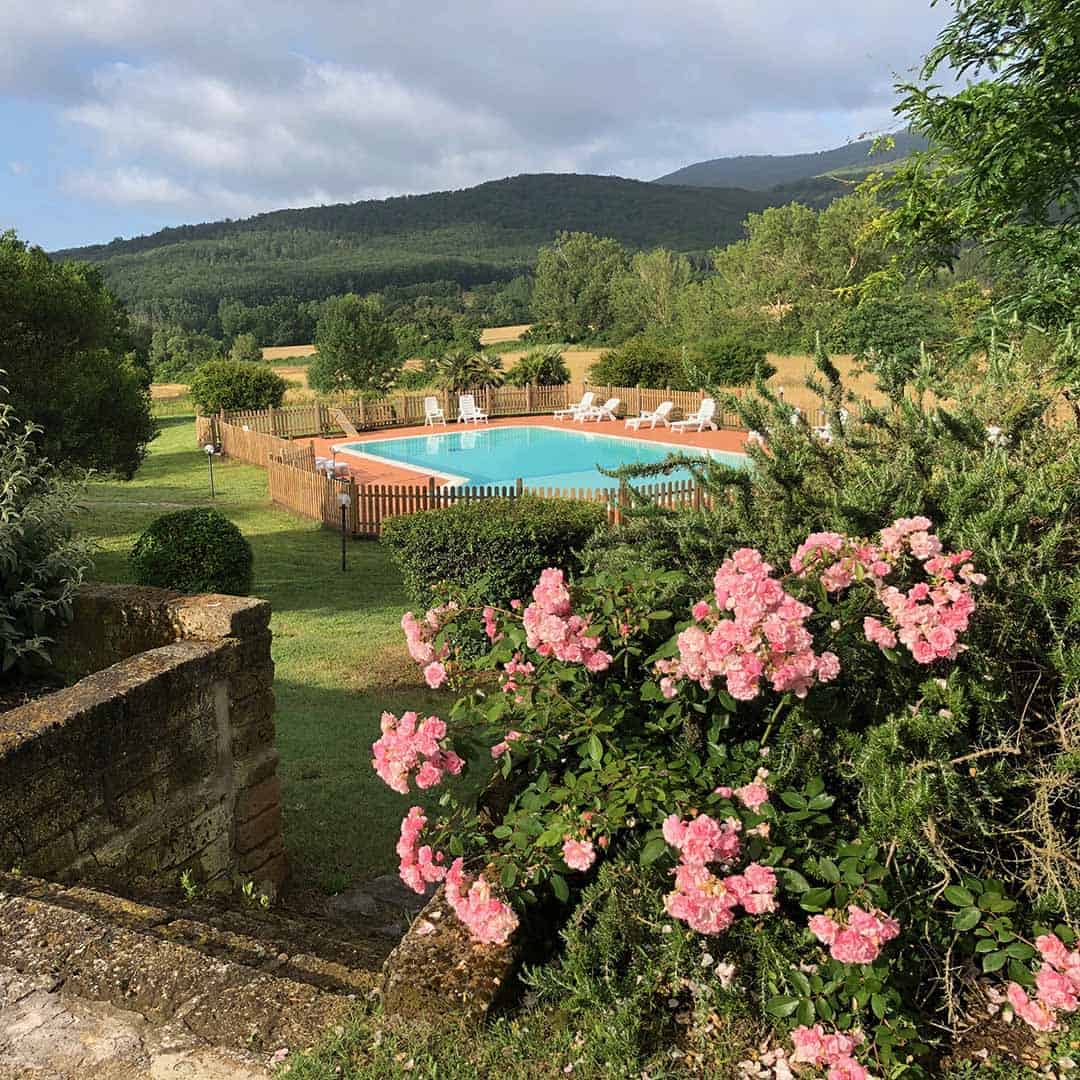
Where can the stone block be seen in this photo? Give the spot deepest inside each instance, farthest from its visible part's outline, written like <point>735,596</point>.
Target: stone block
<point>258,831</point>
<point>258,798</point>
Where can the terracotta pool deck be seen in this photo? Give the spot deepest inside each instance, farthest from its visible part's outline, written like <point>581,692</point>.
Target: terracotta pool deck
<point>369,471</point>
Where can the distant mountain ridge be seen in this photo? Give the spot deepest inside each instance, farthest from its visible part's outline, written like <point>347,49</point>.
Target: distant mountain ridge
<point>762,172</point>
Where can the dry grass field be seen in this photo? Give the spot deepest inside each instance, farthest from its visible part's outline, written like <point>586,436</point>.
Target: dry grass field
<point>790,374</point>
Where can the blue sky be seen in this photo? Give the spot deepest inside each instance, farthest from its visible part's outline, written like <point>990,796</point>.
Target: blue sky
<point>122,116</point>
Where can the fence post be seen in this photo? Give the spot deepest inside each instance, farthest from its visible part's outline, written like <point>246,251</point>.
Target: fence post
<point>323,419</point>
<point>363,414</point>
<point>430,492</point>
<point>519,487</point>
<point>528,397</point>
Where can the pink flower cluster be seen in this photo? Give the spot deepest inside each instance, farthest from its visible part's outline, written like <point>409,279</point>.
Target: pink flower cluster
<point>418,866</point>
<point>552,629</point>
<point>491,625</point>
<point>488,919</point>
<point>578,854</point>
<point>929,618</point>
<point>704,901</point>
<point>514,669</point>
<point>755,794</point>
<point>841,558</point>
<point>860,941</point>
<point>412,744</point>
<point>500,748</point>
<point>832,1051</point>
<point>765,637</point>
<point>420,638</point>
<point>1057,985</point>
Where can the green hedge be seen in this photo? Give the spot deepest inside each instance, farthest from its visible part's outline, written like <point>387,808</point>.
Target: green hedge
<point>236,384</point>
<point>491,551</point>
<point>194,551</point>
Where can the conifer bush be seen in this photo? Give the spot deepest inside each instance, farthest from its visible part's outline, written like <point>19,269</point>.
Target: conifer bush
<point>194,551</point>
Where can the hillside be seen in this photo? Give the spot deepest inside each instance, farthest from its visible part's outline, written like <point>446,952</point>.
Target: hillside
<point>486,233</point>
<point>766,171</point>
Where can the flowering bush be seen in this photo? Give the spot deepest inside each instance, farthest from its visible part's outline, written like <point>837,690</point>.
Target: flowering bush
<point>623,731</point>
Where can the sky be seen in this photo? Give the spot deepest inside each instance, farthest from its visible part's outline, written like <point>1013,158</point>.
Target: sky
<point>119,117</point>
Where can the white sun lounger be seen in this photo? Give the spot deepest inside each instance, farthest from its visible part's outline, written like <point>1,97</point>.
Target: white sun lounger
<point>583,405</point>
<point>433,412</point>
<point>825,432</point>
<point>700,420</point>
<point>468,413</point>
<point>659,415</point>
<point>601,412</point>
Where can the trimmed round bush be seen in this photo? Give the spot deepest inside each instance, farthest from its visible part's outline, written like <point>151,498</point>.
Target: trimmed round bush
<point>194,551</point>
<point>236,384</point>
<point>489,551</point>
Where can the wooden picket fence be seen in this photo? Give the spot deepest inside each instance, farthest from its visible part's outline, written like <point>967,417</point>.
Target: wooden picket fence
<point>295,485</point>
<point>407,410</point>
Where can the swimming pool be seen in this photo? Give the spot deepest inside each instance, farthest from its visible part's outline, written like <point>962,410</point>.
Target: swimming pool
<point>540,456</point>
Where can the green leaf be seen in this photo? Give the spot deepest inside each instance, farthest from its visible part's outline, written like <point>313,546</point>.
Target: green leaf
<point>877,1005</point>
<point>508,876</point>
<point>805,1013</point>
<point>795,881</point>
<point>815,899</point>
<point>994,961</point>
<point>800,982</point>
<point>782,1005</point>
<point>958,895</point>
<point>793,799</point>
<point>986,945</point>
<point>653,850</point>
<point>560,888</point>
<point>967,918</point>
<point>595,749</point>
<point>829,871</point>
<point>1019,950</point>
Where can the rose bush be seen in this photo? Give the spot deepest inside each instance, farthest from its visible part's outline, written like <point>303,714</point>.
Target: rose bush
<point>622,728</point>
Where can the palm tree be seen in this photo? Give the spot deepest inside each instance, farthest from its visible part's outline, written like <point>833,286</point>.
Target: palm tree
<point>462,369</point>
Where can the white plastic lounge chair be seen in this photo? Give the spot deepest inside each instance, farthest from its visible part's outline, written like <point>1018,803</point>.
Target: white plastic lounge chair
<point>432,412</point>
<point>583,405</point>
<point>825,432</point>
<point>659,415</point>
<point>468,413</point>
<point>601,412</point>
<point>700,420</point>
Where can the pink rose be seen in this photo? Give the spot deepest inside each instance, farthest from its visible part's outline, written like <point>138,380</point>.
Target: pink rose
<point>435,675</point>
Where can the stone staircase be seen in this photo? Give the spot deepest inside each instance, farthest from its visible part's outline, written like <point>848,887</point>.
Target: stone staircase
<point>93,984</point>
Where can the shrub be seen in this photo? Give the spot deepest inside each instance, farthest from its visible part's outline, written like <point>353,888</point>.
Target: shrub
<point>463,369</point>
<point>540,367</point>
<point>851,768</point>
<point>644,360</point>
<point>41,565</point>
<point>733,358</point>
<point>236,384</point>
<point>493,549</point>
<point>193,551</point>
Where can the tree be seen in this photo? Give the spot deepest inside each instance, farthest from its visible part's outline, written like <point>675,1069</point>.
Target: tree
<point>175,352</point>
<point>245,349</point>
<point>1003,166</point>
<point>540,367</point>
<point>646,294</point>
<point>355,347</point>
<point>572,296</point>
<point>236,384</point>
<point>69,361</point>
<point>461,369</point>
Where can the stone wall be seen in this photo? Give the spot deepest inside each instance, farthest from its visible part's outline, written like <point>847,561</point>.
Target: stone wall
<point>160,758</point>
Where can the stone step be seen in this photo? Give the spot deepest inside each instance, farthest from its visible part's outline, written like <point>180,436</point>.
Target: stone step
<point>250,985</point>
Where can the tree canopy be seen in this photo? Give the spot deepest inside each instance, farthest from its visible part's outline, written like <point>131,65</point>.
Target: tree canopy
<point>355,347</point>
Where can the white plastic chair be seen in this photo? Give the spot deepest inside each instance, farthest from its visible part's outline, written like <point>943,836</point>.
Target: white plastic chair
<point>468,413</point>
<point>573,411</point>
<point>433,412</point>
<point>699,420</point>
<point>600,412</point>
<point>659,415</point>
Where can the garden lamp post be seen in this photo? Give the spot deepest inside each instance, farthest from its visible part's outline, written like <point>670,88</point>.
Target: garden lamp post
<point>209,448</point>
<point>343,501</point>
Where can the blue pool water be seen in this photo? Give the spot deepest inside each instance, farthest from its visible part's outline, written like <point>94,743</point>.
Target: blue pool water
<point>540,456</point>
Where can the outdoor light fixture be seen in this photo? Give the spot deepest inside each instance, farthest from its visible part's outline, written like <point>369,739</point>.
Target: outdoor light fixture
<point>209,448</point>
<point>344,501</point>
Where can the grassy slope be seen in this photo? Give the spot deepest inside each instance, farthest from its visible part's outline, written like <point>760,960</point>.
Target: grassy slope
<point>337,646</point>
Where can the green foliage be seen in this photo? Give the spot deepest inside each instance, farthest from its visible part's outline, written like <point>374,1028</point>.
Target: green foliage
<point>70,363</point>
<point>733,358</point>
<point>573,294</point>
<point>1002,165</point>
<point>193,551</point>
<point>492,550</point>
<point>355,347</point>
<point>463,369</point>
<point>646,294</point>
<point>644,360</point>
<point>236,384</point>
<point>245,349</point>
<point>41,564</point>
<point>540,367</point>
<point>175,353</point>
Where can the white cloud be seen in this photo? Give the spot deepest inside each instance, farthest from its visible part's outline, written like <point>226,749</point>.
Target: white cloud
<point>211,107</point>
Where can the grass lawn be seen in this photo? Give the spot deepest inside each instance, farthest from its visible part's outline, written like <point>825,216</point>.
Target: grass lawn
<point>338,648</point>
